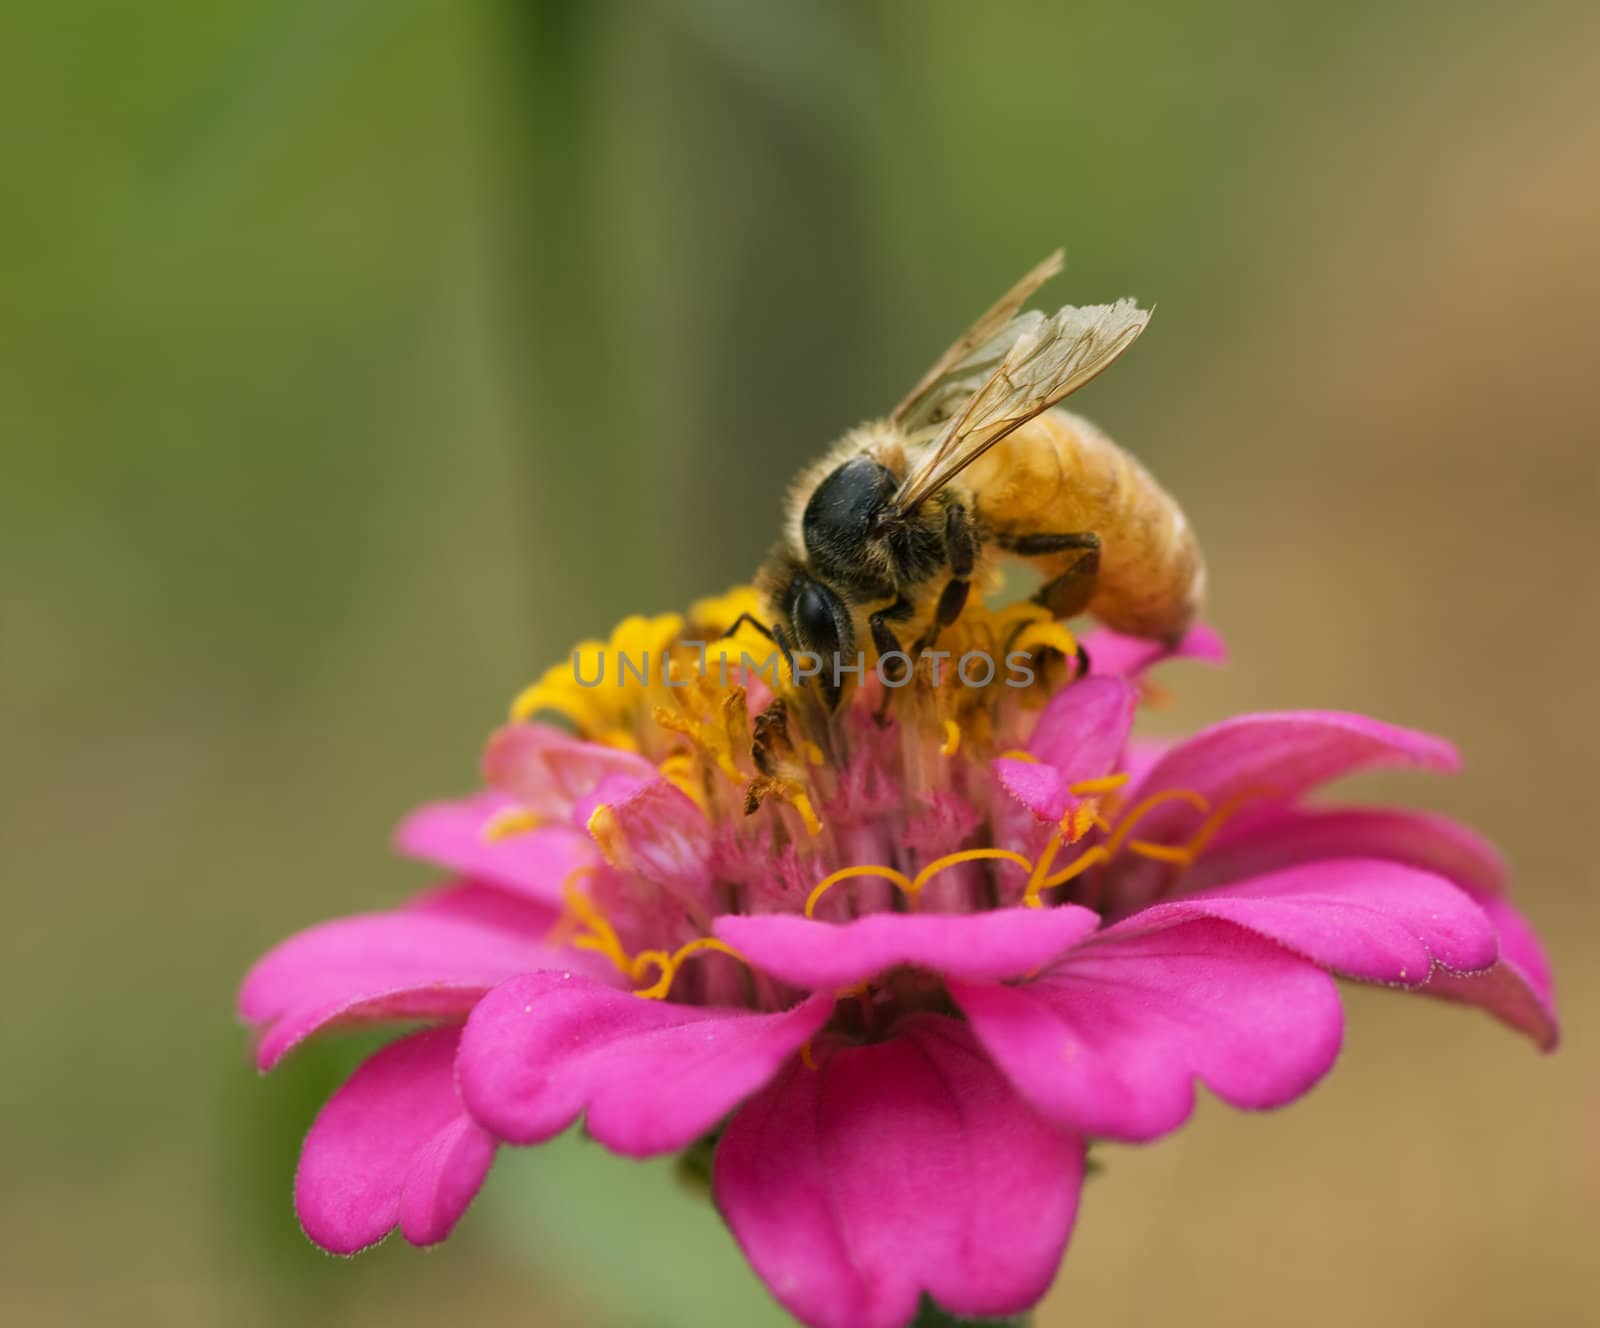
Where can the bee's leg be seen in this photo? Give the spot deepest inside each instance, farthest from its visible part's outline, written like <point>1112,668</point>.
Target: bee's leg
<point>887,643</point>
<point>882,638</point>
<point>961,549</point>
<point>749,619</point>
<point>1068,594</point>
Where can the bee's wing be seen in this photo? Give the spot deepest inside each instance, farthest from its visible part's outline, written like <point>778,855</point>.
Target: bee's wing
<point>960,362</point>
<point>1040,368</point>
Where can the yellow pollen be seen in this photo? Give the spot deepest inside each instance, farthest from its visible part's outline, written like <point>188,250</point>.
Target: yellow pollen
<point>812,752</point>
<point>703,736</point>
<point>669,964</point>
<point>1078,820</point>
<point>952,738</point>
<point>1017,754</point>
<point>506,822</point>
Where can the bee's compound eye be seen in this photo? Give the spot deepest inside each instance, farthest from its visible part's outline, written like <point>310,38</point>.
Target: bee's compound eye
<point>815,620</point>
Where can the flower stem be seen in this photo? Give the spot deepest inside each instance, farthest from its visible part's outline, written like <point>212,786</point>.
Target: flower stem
<point>931,1316</point>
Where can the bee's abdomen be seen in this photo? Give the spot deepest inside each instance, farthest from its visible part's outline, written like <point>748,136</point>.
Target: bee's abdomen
<point>1059,474</point>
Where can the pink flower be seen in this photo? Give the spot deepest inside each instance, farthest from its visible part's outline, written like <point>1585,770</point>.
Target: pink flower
<point>943,952</point>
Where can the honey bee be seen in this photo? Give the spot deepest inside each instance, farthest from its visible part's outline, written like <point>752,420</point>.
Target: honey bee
<point>976,462</point>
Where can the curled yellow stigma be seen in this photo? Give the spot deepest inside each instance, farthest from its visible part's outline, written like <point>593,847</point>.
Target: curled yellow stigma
<point>851,873</point>
<point>952,859</point>
<point>909,886</point>
<point>600,936</point>
<point>668,964</point>
<point>1074,825</point>
<point>952,738</point>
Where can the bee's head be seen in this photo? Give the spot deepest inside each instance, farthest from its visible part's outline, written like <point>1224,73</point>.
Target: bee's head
<point>845,518</point>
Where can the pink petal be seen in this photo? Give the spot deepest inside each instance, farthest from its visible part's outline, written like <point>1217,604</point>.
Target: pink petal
<point>393,1147</point>
<point>550,772</point>
<point>535,863</point>
<point>1036,785</point>
<point>652,1076</point>
<point>1128,656</point>
<point>1114,654</point>
<point>899,1168</point>
<point>1085,727</point>
<point>1141,756</point>
<point>1110,1040</point>
<point>1252,764</point>
<point>1360,917</point>
<point>1286,754</point>
<point>1289,836</point>
<point>1518,990</point>
<point>1003,943</point>
<point>426,962</point>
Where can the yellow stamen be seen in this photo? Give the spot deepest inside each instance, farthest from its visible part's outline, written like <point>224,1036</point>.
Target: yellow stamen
<point>952,738</point>
<point>1017,754</point>
<point>706,739</point>
<point>802,804</point>
<point>506,822</point>
<point>1103,784</point>
<point>806,1058</point>
<point>669,964</point>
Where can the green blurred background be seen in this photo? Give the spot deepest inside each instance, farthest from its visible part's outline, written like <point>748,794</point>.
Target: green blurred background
<point>358,355</point>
